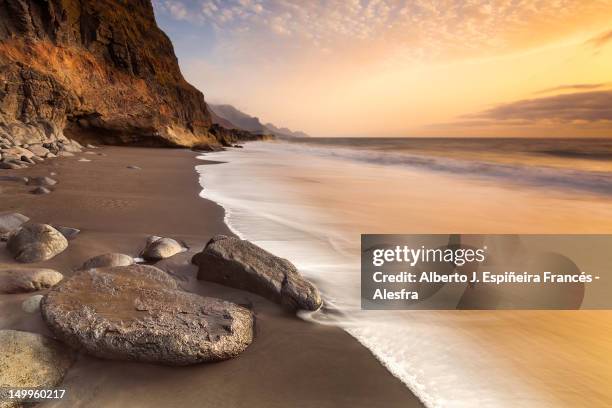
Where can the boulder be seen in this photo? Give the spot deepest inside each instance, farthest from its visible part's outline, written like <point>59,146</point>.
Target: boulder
<point>8,156</point>
<point>72,146</point>
<point>38,150</point>
<point>108,260</point>
<point>241,264</point>
<point>21,280</point>
<point>161,248</point>
<point>31,304</point>
<point>31,360</point>
<point>36,243</point>
<point>137,313</point>
<point>42,181</point>
<point>17,151</point>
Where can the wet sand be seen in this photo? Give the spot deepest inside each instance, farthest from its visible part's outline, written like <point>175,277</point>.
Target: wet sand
<point>291,363</point>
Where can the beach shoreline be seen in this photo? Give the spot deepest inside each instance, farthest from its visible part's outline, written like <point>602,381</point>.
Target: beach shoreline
<point>311,208</point>
<point>290,363</point>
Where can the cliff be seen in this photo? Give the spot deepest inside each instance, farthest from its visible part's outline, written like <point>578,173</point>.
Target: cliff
<point>95,71</point>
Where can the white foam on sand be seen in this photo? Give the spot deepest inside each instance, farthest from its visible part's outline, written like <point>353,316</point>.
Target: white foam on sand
<point>278,198</point>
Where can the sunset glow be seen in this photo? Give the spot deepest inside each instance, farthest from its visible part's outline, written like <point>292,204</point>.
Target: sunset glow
<point>403,68</point>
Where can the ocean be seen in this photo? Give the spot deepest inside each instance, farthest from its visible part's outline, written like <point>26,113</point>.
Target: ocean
<point>309,200</point>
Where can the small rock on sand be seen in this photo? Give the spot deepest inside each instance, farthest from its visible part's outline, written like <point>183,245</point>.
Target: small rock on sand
<point>108,260</point>
<point>161,248</point>
<point>31,360</point>
<point>65,154</point>
<point>134,168</point>
<point>21,280</point>
<point>36,243</point>
<point>68,232</point>
<point>32,304</point>
<point>158,322</point>
<point>42,181</point>
<point>14,178</point>
<point>40,191</point>
<point>241,264</point>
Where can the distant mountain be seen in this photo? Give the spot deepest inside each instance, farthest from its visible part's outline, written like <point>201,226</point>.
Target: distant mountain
<point>231,118</point>
<point>237,119</point>
<point>218,120</point>
<point>285,132</point>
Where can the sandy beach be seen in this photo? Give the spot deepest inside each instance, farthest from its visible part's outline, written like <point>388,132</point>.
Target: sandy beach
<point>290,363</point>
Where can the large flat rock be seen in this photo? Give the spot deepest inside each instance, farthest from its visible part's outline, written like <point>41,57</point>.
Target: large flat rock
<point>137,313</point>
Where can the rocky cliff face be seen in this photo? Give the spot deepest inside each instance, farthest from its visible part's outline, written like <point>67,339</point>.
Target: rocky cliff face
<point>96,71</point>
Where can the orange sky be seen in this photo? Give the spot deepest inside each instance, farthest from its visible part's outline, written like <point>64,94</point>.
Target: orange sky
<point>403,68</point>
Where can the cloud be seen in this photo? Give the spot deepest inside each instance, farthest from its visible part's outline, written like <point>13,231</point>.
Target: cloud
<point>176,9</point>
<point>600,40</point>
<point>414,28</point>
<point>572,87</point>
<point>583,107</point>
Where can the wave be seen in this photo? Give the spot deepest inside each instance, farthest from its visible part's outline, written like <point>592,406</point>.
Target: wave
<point>599,182</point>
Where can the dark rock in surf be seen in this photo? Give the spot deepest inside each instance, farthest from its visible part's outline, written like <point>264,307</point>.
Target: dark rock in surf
<point>240,264</point>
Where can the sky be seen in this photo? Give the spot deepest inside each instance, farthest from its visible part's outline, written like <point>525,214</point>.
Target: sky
<point>528,68</point>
